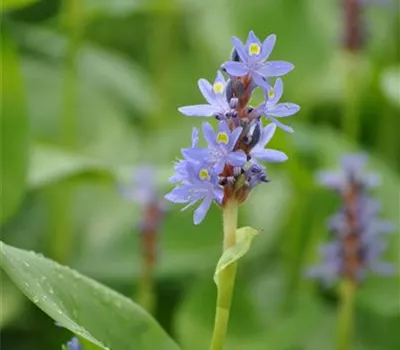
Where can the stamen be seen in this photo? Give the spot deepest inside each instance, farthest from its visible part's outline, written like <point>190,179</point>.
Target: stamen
<point>233,103</point>
<point>218,88</point>
<point>271,93</point>
<point>231,180</point>
<point>222,137</point>
<point>237,171</point>
<point>204,174</point>
<point>254,49</point>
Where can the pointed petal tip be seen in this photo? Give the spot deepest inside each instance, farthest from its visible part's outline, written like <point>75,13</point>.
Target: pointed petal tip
<point>167,196</point>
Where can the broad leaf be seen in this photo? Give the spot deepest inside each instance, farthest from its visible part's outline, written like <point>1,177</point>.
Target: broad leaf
<point>118,79</point>
<point>88,309</point>
<point>14,131</point>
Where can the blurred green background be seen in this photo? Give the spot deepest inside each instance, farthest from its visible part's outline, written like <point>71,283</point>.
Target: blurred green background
<point>90,90</point>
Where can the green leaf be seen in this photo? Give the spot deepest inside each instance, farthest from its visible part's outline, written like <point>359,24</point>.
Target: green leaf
<point>244,237</point>
<point>117,78</point>
<point>50,164</point>
<point>14,131</point>
<point>88,309</point>
<point>15,4</point>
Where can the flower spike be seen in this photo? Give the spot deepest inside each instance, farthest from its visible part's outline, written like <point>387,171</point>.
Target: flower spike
<point>230,166</point>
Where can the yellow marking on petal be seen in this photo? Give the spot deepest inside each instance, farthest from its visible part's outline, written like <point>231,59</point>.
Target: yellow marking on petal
<point>222,137</point>
<point>271,93</point>
<point>218,88</point>
<point>254,49</point>
<point>204,174</point>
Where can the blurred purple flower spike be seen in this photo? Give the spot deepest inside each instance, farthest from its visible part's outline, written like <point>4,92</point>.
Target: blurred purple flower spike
<point>143,189</point>
<point>358,232</point>
<point>352,170</point>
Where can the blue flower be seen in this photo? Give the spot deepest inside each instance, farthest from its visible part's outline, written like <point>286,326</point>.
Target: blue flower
<point>271,109</point>
<point>201,184</point>
<point>216,97</point>
<point>180,166</point>
<point>352,170</point>
<point>252,60</point>
<point>330,268</point>
<point>74,344</point>
<point>220,149</point>
<point>258,152</point>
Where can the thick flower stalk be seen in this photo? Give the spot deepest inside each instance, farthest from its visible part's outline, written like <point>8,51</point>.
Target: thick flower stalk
<point>231,165</point>
<point>144,192</point>
<point>359,238</point>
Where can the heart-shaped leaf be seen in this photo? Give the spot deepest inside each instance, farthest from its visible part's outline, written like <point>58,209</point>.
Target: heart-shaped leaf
<point>88,309</point>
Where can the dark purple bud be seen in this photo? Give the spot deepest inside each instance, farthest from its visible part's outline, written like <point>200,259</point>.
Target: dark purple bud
<point>234,56</point>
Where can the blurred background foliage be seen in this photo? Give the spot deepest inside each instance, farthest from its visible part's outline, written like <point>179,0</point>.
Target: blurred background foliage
<point>90,89</point>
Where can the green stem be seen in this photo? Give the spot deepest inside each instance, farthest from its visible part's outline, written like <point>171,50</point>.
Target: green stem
<point>73,22</point>
<point>226,279</point>
<point>61,195</point>
<point>59,203</point>
<point>146,294</point>
<point>346,314</point>
<point>351,116</point>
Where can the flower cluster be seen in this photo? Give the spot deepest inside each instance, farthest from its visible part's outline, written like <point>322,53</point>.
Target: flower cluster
<point>358,232</point>
<point>230,166</point>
